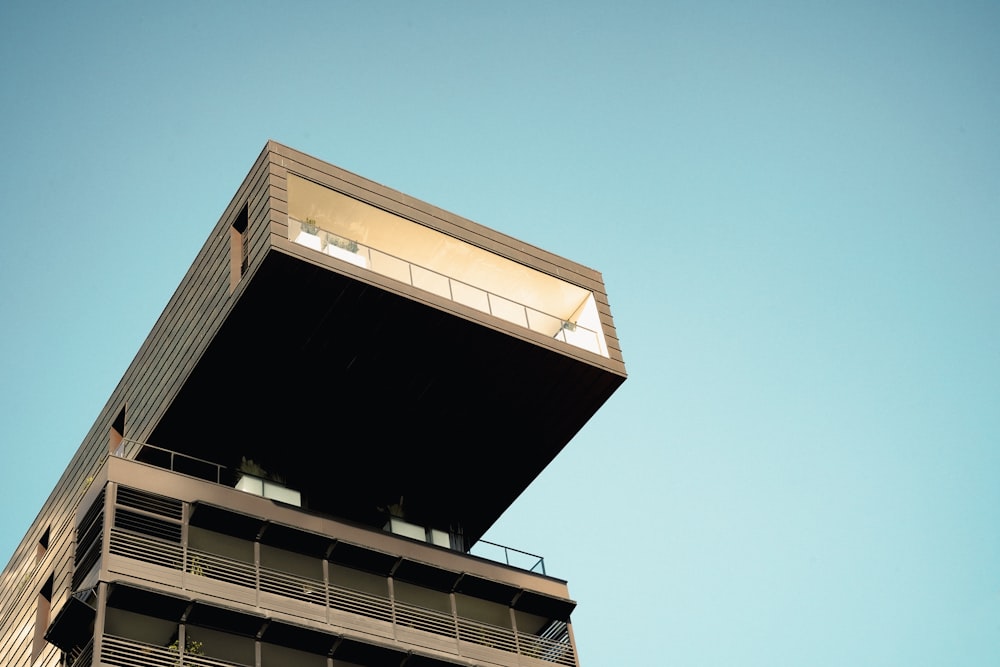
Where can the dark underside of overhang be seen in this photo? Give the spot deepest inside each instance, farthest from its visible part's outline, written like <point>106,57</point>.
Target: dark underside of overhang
<point>358,396</point>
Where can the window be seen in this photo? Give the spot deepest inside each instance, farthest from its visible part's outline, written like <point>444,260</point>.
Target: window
<point>43,605</point>
<point>116,435</point>
<point>238,252</point>
<point>42,547</point>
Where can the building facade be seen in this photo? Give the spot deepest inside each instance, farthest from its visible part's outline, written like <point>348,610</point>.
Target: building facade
<point>346,390</point>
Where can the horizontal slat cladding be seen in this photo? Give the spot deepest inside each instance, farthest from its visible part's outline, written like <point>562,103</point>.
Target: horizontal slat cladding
<point>258,203</point>
<point>188,326</point>
<point>189,321</point>
<point>146,386</point>
<point>258,210</point>
<point>181,324</point>
<point>441,220</point>
<point>145,524</point>
<point>209,302</point>
<point>23,576</point>
<point>249,192</point>
<point>94,515</point>
<point>155,551</point>
<point>427,620</point>
<point>150,502</point>
<point>196,318</point>
<point>484,634</point>
<point>278,190</point>
<point>88,542</point>
<point>211,574</point>
<point>129,653</point>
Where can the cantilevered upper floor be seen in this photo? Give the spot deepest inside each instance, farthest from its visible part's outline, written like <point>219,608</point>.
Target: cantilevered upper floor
<point>359,354</point>
<point>374,350</point>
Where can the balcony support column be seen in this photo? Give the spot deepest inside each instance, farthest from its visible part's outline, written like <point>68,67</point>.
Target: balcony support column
<point>102,601</point>
<point>454,621</point>
<point>513,625</point>
<point>256,571</point>
<point>326,589</point>
<point>185,522</point>
<point>392,606</point>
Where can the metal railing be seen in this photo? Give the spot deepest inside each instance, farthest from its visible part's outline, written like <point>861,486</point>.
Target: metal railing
<point>513,557</point>
<point>132,653</point>
<point>218,474</point>
<point>445,286</point>
<point>82,656</point>
<point>195,562</point>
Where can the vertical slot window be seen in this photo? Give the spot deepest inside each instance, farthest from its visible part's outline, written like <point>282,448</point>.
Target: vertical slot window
<point>239,254</point>
<point>42,608</point>
<point>116,436</point>
<point>42,547</point>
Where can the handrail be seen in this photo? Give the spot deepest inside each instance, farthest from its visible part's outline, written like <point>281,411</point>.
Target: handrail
<point>216,473</point>
<point>453,289</point>
<point>537,562</point>
<point>117,650</point>
<point>82,656</point>
<point>200,563</point>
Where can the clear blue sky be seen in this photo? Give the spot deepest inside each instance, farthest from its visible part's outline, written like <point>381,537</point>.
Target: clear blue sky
<point>795,207</point>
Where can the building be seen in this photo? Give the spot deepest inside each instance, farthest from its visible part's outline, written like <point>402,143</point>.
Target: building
<point>346,390</point>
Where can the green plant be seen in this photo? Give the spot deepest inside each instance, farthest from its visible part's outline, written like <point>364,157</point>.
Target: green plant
<point>191,647</point>
<point>250,468</point>
<point>346,244</point>
<point>195,566</point>
<point>310,226</point>
<point>86,484</point>
<point>395,509</point>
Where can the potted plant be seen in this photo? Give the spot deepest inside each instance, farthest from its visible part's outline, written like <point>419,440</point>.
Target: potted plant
<point>308,234</point>
<point>253,478</point>
<point>397,522</point>
<point>191,647</point>
<point>249,467</point>
<point>310,226</point>
<point>345,249</point>
<point>250,476</point>
<point>345,244</point>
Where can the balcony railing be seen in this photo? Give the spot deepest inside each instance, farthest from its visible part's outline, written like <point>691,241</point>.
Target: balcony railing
<point>552,647</point>
<point>513,557</point>
<point>82,656</point>
<point>131,653</point>
<point>218,474</point>
<point>443,285</point>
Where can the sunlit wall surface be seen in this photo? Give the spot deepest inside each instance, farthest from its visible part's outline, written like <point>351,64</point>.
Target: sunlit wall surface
<point>369,237</point>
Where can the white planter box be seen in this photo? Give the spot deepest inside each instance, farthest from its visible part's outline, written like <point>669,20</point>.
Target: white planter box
<point>309,240</point>
<point>406,529</point>
<point>268,489</point>
<point>346,255</point>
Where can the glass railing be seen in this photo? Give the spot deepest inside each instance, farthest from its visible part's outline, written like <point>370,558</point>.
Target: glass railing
<point>383,263</point>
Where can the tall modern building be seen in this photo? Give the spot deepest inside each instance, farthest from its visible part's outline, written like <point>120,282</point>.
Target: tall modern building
<point>347,389</point>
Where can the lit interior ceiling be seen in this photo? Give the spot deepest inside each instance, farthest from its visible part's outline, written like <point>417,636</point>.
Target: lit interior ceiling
<point>420,245</point>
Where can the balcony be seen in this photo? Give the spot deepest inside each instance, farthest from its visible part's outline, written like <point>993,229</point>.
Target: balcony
<point>373,239</point>
<point>256,484</point>
<point>238,550</point>
<point>344,610</point>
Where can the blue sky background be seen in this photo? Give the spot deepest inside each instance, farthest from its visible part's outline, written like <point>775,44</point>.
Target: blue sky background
<point>795,207</point>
